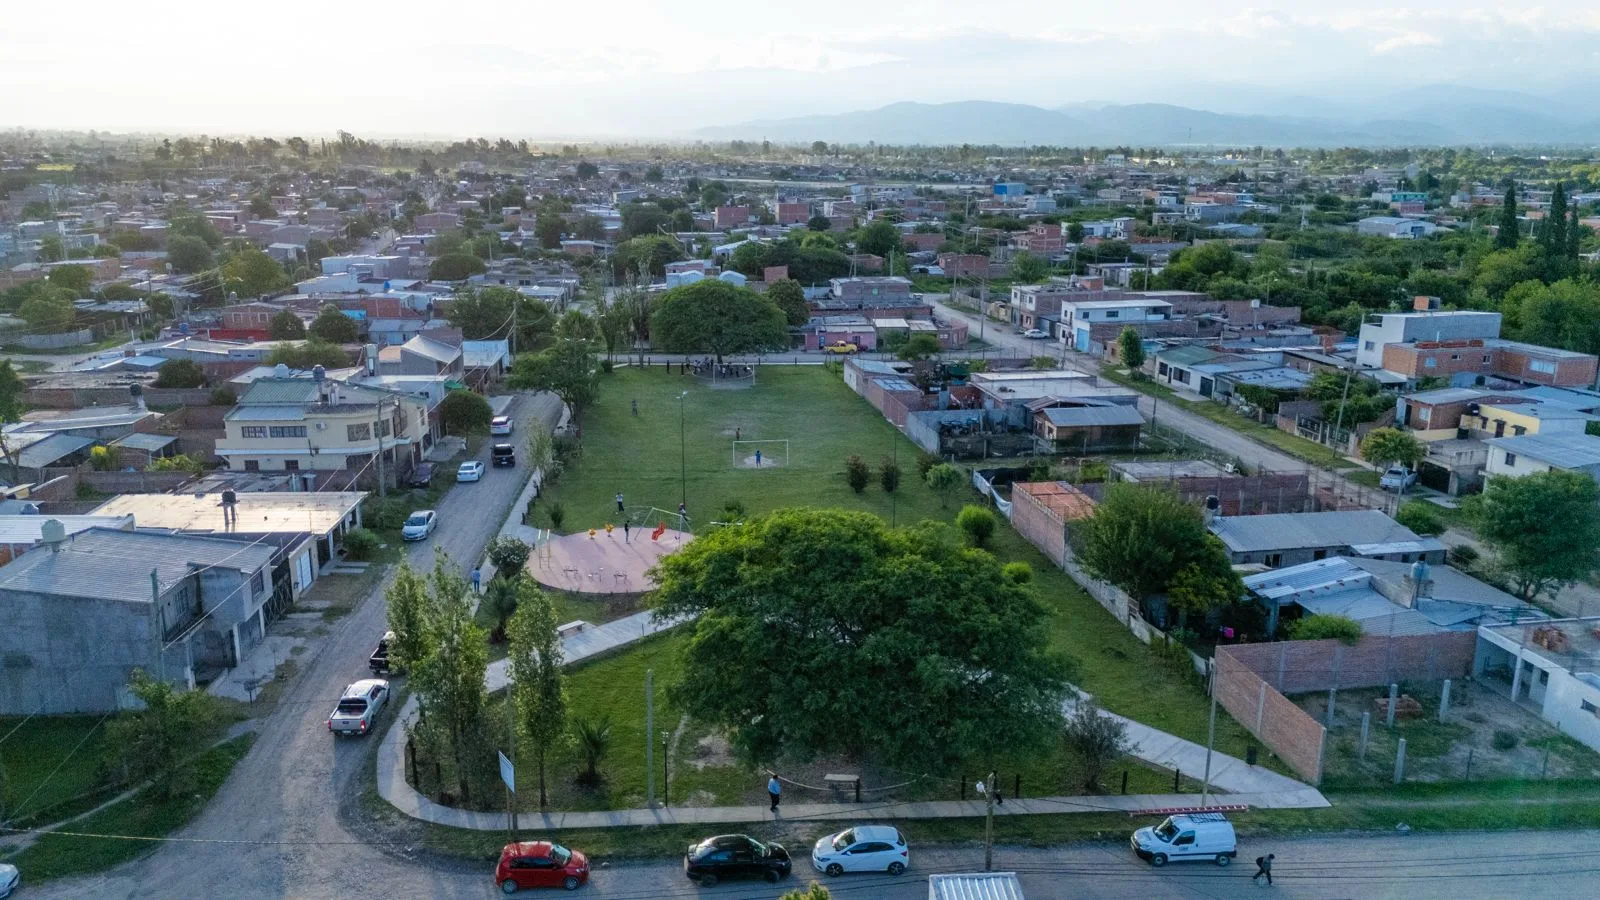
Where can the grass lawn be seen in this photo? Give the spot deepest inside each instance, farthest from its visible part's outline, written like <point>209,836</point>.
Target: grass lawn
<point>826,422</point>
<point>30,756</point>
<point>143,815</point>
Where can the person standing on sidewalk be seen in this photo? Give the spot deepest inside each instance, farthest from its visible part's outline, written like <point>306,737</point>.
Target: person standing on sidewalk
<point>477,581</point>
<point>775,791</point>
<point>1263,867</point>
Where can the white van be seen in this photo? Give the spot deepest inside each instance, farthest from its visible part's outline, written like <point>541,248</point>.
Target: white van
<point>1207,836</point>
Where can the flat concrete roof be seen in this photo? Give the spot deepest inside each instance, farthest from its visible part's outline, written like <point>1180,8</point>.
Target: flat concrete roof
<point>259,512</point>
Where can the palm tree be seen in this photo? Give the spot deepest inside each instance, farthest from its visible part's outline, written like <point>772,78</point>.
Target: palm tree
<point>500,599</point>
<point>594,742</point>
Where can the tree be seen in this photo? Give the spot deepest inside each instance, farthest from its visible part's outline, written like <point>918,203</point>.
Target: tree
<point>576,325</point>
<point>49,311</point>
<point>977,523</point>
<point>500,601</point>
<point>880,238</point>
<point>1074,232</point>
<point>889,475</point>
<point>12,388</point>
<point>1139,538</point>
<point>309,355</point>
<point>716,317</point>
<point>567,370</point>
<point>407,602</point>
<point>51,249</point>
<point>156,743</point>
<point>538,688</point>
<point>1205,584</point>
<point>594,742</point>
<point>448,679</point>
<point>483,314</point>
<point>648,252</point>
<point>1131,348</point>
<point>1545,529</point>
<point>180,373</point>
<point>944,480</point>
<point>1386,446</point>
<point>640,219</point>
<point>587,170</point>
<point>1552,235</point>
<point>333,326</point>
<point>1321,626</point>
<point>463,412</point>
<point>455,266</point>
<point>508,555</point>
<point>918,347</point>
<point>1096,741</point>
<point>72,278</point>
<point>1028,268</point>
<point>857,473</point>
<point>819,223</point>
<point>286,326</point>
<point>791,298</point>
<point>1509,232</point>
<point>251,273</point>
<point>803,610</point>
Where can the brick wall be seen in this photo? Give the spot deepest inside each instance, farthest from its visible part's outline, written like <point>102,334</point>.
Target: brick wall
<point>1274,719</point>
<point>1297,667</point>
<point>1043,528</point>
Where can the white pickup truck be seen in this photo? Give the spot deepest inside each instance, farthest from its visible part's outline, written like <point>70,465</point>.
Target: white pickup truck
<point>359,706</point>
<point>1397,478</point>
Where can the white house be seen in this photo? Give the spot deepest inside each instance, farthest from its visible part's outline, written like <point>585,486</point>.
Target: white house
<point>1079,315</point>
<point>1395,227</point>
<point>1551,665</point>
<point>1530,454</point>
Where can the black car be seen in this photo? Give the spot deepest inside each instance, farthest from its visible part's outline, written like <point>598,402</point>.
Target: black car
<point>421,476</point>
<point>734,856</point>
<point>503,455</point>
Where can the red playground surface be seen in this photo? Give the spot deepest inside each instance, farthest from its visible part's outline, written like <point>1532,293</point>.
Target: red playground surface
<point>594,562</point>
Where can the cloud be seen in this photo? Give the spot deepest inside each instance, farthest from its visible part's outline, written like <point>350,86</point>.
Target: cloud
<point>1407,41</point>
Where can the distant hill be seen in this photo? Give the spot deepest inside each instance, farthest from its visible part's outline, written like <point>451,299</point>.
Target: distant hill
<point>1441,115</point>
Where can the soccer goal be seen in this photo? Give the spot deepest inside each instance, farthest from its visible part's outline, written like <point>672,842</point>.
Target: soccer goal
<point>772,454</point>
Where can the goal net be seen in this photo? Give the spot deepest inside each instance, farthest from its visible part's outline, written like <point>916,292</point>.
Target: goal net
<point>771,454</point>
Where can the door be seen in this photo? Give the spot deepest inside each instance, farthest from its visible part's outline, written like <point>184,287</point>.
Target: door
<point>1205,387</point>
<point>1185,845</point>
<point>744,861</point>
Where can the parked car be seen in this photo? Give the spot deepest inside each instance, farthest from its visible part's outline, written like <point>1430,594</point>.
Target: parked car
<point>864,848</point>
<point>419,525</point>
<point>500,425</point>
<point>10,878</point>
<point>421,475</point>
<point>1397,478</point>
<point>1035,334</point>
<point>534,864</point>
<point>840,347</point>
<point>359,706</point>
<point>734,856</point>
<point>378,662</point>
<point>1185,838</point>
<point>471,470</point>
<point>503,455</point>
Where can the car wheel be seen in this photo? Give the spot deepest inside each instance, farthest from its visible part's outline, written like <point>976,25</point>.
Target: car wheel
<point>1224,859</point>
<point>508,887</point>
<point>572,883</point>
<point>896,868</point>
<point>773,875</point>
<point>707,880</point>
<point>1159,860</point>
<point>834,870</point>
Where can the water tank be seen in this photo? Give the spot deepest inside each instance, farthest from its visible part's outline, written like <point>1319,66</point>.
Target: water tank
<point>319,374</point>
<point>183,328</point>
<point>229,498</point>
<point>281,370</point>
<point>1419,571</point>
<point>136,390</point>
<point>52,532</point>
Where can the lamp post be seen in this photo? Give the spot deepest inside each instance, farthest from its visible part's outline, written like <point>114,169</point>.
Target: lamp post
<point>683,456</point>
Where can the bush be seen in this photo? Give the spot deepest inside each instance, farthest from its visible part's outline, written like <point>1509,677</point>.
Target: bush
<point>1503,740</point>
<point>386,515</point>
<point>1466,554</point>
<point>223,396</point>
<point>1017,572</point>
<point>926,461</point>
<point>607,365</point>
<point>463,412</point>
<point>180,373</point>
<point>857,473</point>
<point>889,475</point>
<point>1325,625</point>
<point>360,544</point>
<point>733,510</point>
<point>978,523</point>
<point>557,514</point>
<point>1420,517</point>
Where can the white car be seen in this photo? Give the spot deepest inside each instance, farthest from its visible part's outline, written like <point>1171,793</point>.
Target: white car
<point>1034,334</point>
<point>359,706</point>
<point>864,848</point>
<point>471,470</point>
<point>1397,478</point>
<point>501,425</point>
<point>10,877</point>
<point>419,525</point>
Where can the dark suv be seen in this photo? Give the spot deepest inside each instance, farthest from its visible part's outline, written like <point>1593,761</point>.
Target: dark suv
<point>503,455</point>
<point>734,856</point>
<point>421,475</point>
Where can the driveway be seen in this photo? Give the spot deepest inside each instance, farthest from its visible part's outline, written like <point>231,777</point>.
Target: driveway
<point>277,820</point>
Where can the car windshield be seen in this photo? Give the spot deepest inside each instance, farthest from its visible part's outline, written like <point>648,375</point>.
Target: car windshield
<point>1166,831</point>
<point>844,839</point>
<point>760,848</point>
<point>560,854</point>
<point>416,519</point>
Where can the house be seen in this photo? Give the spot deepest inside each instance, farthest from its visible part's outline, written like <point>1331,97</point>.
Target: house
<point>1079,316</point>
<point>1395,227</point>
<point>1040,239</point>
<point>1530,454</point>
<point>1384,597</point>
<point>1289,539</point>
<point>80,612</point>
<point>964,265</point>
<point>1552,666</point>
<point>727,217</point>
<point>1085,426</point>
<point>428,353</point>
<point>484,361</point>
<point>20,532</point>
<point>332,429</point>
<point>1464,346</point>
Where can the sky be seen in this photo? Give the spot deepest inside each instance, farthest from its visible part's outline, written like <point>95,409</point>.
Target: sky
<point>643,68</point>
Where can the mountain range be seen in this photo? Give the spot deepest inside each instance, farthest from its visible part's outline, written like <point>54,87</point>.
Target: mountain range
<point>1440,115</point>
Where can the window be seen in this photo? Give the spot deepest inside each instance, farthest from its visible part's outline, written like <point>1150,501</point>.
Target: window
<point>1423,413</point>
<point>1544,677</point>
<point>1511,459</point>
<point>286,431</point>
<point>253,431</point>
<point>1518,430</point>
<point>1111,313</point>
<point>252,465</point>
<point>362,432</point>
<point>1319,554</point>
<point>1368,345</point>
<point>291,465</point>
<point>383,427</point>
<point>1186,838</point>
<point>1455,356</point>
<point>1487,359</point>
<point>258,583</point>
<point>1430,363</point>
<point>1273,560</point>
<point>1588,707</point>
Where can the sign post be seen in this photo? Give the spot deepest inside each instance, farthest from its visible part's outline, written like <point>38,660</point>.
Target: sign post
<point>508,774</point>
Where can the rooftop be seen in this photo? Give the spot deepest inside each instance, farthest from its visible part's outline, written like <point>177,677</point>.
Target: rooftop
<point>1092,416</point>
<point>26,529</point>
<point>1564,451</point>
<point>1289,531</point>
<point>107,564</point>
<point>1166,471</point>
<point>1059,497</point>
<point>975,886</point>
<point>274,512</point>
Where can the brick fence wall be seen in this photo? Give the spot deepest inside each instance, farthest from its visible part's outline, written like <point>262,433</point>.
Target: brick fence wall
<point>1274,719</point>
<point>1298,667</point>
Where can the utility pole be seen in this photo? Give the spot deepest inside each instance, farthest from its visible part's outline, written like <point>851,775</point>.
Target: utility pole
<point>1211,728</point>
<point>377,428</point>
<point>649,738</point>
<point>988,787</point>
<point>683,458</point>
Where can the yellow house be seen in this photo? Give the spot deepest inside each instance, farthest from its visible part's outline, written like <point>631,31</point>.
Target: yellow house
<point>1520,419</point>
<point>298,424</point>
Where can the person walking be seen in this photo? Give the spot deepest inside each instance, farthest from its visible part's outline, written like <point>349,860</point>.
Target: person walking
<point>477,581</point>
<point>635,407</point>
<point>775,791</point>
<point>619,501</point>
<point>1263,867</point>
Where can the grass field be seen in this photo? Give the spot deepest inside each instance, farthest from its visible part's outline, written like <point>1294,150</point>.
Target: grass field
<point>825,422</point>
<point>32,754</point>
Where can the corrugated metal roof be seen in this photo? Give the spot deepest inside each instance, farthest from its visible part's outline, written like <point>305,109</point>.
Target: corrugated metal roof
<point>975,886</point>
<point>267,413</point>
<point>280,390</point>
<point>44,452</point>
<point>1563,451</point>
<point>1092,416</point>
<point>25,529</point>
<point>116,565</point>
<point>149,443</point>
<point>1287,531</point>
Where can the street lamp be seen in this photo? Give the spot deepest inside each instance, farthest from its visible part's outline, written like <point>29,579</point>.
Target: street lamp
<point>683,457</point>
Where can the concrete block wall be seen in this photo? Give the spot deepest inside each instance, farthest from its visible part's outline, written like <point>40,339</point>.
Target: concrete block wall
<point>1297,667</point>
<point>1274,719</point>
<point>72,656</point>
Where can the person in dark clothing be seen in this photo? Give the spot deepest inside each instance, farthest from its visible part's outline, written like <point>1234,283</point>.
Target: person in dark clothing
<point>1263,867</point>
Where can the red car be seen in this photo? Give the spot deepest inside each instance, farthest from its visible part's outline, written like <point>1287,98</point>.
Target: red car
<point>536,864</point>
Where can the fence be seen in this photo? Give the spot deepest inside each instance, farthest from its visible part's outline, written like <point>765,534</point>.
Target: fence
<point>1297,667</point>
<point>1286,729</point>
<point>56,341</point>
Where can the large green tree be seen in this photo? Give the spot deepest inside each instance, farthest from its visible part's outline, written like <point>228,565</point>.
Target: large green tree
<point>1140,538</point>
<point>1545,529</point>
<point>49,310</point>
<point>156,743</point>
<point>334,326</point>
<point>1029,268</point>
<point>791,298</point>
<point>11,408</point>
<point>1390,446</point>
<point>483,313</point>
<point>455,266</point>
<point>538,688</point>
<point>286,326</point>
<point>251,273</point>
<point>652,252</point>
<point>566,369</point>
<point>309,355</point>
<point>448,680</point>
<point>1509,232</point>
<point>719,318</point>
<point>805,611</point>
<point>73,278</point>
<point>880,238</point>
<point>464,412</point>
